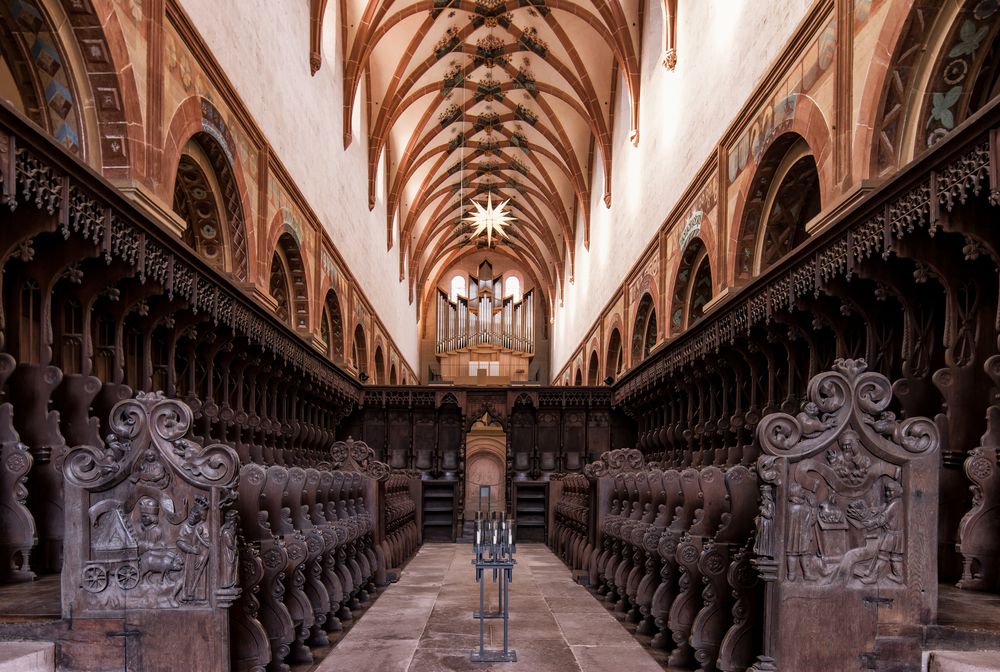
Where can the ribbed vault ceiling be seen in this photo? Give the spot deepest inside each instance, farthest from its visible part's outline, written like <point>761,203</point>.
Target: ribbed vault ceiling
<point>513,98</point>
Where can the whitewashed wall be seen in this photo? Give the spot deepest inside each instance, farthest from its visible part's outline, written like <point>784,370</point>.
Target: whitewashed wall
<point>724,48</point>
<point>263,46</point>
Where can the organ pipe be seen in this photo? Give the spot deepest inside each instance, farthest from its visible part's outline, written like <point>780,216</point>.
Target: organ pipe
<point>486,319</point>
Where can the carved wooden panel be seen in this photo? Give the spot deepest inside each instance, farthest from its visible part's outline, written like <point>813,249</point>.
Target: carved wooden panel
<point>846,490</point>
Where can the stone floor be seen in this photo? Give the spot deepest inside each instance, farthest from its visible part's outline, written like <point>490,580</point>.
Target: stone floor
<point>424,623</point>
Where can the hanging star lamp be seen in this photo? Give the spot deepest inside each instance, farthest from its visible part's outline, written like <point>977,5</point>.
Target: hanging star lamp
<point>490,219</point>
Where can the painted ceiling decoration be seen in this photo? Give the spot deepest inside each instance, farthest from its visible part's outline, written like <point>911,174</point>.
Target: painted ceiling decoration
<point>486,100</point>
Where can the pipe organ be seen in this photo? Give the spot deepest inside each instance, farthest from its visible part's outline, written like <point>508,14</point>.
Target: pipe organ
<point>485,330</point>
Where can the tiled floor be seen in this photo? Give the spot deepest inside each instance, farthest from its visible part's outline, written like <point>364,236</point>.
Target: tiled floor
<point>424,623</point>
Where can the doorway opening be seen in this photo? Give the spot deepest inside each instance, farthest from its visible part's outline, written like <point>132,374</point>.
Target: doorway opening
<point>485,465</point>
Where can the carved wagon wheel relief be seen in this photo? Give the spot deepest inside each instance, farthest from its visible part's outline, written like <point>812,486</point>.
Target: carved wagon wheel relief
<point>127,576</point>
<point>95,578</point>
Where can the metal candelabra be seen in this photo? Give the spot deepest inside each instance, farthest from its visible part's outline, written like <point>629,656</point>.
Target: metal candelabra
<point>494,550</point>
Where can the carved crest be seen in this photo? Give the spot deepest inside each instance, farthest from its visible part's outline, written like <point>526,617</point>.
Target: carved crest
<point>614,462</point>
<point>356,456</point>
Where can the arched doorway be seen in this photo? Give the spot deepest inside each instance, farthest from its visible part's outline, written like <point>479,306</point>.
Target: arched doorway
<point>485,464</point>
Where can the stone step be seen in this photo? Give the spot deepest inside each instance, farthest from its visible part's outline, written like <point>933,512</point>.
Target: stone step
<point>963,661</point>
<point>27,657</point>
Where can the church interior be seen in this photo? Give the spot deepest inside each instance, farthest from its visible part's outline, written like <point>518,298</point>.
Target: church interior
<point>459,335</point>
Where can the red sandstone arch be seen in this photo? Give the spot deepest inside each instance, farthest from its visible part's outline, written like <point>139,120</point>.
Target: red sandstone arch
<point>767,160</point>
<point>190,122</point>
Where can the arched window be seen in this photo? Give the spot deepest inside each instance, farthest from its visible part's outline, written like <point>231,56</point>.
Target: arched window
<point>332,327</point>
<point>644,329</point>
<point>784,196</point>
<point>692,287</point>
<point>392,374</point>
<point>279,287</point>
<point>379,366</point>
<point>457,287</point>
<point>578,378</point>
<point>512,287</point>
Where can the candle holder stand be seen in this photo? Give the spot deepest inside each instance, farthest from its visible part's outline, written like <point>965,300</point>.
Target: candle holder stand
<point>494,550</point>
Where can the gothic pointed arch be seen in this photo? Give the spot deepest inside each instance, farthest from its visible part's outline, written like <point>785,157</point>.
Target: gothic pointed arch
<point>332,327</point>
<point>578,377</point>
<point>288,283</point>
<point>593,369</point>
<point>614,359</point>
<point>692,287</point>
<point>359,350</point>
<point>506,98</point>
<point>783,196</point>
<point>643,329</point>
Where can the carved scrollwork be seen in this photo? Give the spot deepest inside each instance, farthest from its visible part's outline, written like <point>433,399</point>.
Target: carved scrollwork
<point>614,462</point>
<point>357,456</point>
<point>847,396</point>
<point>156,506</point>
<point>90,466</point>
<point>839,482</point>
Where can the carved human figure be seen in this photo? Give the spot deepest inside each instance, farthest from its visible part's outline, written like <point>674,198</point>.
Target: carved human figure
<point>230,550</point>
<point>886,522</point>
<point>194,542</point>
<point>810,420</point>
<point>802,542</point>
<point>150,470</point>
<point>154,558</point>
<point>150,533</point>
<point>848,462</point>
<point>764,543</point>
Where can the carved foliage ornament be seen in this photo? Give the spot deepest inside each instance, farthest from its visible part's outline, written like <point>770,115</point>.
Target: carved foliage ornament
<point>147,441</point>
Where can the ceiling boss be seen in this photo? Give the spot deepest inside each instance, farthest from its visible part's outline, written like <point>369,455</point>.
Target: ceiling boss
<point>490,219</point>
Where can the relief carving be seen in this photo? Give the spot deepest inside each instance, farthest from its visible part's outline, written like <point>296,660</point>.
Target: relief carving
<point>844,489</point>
<point>150,514</point>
